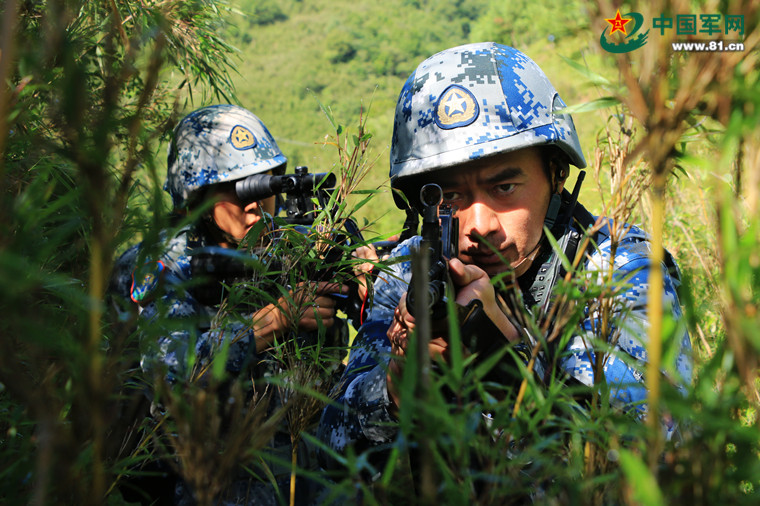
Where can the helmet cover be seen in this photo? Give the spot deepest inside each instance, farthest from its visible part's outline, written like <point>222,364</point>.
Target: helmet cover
<point>218,144</point>
<point>474,101</point>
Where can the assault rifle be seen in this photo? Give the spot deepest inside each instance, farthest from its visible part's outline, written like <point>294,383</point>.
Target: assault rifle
<point>305,196</point>
<point>440,240</point>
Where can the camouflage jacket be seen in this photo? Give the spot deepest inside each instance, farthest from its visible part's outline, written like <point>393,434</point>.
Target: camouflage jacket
<point>167,299</point>
<point>179,336</point>
<point>361,417</point>
<point>161,291</point>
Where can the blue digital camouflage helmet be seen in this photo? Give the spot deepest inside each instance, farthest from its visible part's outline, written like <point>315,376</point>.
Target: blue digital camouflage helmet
<point>218,144</point>
<point>471,102</point>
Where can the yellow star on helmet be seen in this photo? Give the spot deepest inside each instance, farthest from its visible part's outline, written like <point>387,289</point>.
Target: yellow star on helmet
<point>242,138</point>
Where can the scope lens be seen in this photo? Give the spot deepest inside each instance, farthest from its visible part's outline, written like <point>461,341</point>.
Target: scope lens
<point>431,195</point>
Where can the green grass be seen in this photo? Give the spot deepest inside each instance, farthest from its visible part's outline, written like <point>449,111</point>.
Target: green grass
<point>76,127</point>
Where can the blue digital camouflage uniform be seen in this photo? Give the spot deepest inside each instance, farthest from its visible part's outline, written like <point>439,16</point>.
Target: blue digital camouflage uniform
<point>361,416</point>
<point>158,289</point>
<point>173,320</point>
<point>211,145</point>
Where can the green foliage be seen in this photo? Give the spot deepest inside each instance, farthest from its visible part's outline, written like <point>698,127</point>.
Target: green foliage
<point>487,442</point>
<point>341,46</point>
<point>341,54</point>
<point>91,88</point>
<point>262,12</point>
<point>522,22</point>
<point>84,99</point>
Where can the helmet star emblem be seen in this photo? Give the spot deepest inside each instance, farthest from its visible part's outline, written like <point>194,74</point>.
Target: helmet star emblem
<point>242,138</point>
<point>456,107</point>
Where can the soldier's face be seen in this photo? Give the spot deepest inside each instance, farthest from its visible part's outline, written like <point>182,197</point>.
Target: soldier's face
<point>236,218</point>
<point>501,203</point>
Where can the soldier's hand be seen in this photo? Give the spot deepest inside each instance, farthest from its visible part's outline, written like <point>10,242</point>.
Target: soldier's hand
<point>398,335</point>
<point>472,283</point>
<point>308,306</point>
<point>319,309</point>
<point>363,270</point>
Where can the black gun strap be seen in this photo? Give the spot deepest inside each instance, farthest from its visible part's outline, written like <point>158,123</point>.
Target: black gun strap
<point>552,270</point>
<point>411,224</point>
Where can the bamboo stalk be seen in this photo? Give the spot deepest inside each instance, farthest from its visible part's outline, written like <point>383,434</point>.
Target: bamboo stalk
<point>293,466</point>
<point>7,51</point>
<point>422,333</point>
<point>97,282</point>
<point>654,313</point>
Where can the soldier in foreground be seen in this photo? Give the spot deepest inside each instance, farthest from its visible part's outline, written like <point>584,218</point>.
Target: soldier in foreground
<point>482,121</point>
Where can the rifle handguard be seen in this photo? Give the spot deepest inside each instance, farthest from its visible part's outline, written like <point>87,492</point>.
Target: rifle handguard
<point>440,239</point>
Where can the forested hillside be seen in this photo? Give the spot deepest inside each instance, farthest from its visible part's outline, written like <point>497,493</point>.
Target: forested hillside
<point>348,55</point>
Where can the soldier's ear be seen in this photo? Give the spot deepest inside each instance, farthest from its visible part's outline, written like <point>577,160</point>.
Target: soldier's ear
<point>559,171</point>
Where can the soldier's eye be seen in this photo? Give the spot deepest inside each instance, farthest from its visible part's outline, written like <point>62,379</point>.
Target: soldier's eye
<point>451,196</point>
<point>504,188</point>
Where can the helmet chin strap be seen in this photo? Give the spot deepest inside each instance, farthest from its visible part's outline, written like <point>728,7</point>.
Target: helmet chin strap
<point>530,256</point>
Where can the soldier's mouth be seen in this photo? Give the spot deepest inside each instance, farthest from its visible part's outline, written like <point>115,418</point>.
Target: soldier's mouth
<point>489,259</point>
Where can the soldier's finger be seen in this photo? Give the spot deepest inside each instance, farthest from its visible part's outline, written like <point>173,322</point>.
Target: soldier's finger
<point>325,287</point>
<point>325,302</point>
<point>464,274</point>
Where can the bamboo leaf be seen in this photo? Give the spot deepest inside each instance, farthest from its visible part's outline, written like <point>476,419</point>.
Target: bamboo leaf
<point>593,105</point>
<point>642,484</point>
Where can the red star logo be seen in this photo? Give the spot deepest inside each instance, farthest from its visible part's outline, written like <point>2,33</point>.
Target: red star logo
<point>618,23</point>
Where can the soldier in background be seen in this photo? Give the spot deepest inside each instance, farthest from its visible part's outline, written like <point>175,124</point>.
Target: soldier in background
<point>181,329</point>
<point>482,121</point>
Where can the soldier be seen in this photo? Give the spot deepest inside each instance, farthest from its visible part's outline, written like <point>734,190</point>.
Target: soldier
<point>482,121</point>
<point>213,148</point>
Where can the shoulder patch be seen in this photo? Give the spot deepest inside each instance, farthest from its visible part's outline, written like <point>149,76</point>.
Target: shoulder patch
<point>456,107</point>
<point>145,280</point>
